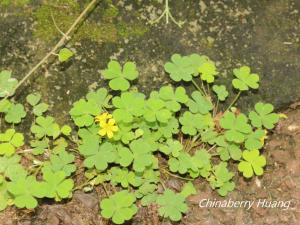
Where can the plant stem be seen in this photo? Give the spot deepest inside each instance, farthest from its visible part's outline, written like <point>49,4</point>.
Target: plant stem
<point>59,44</point>
<point>176,176</point>
<point>234,101</point>
<point>197,86</point>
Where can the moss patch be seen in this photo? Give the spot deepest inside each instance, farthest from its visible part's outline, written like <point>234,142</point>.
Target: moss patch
<point>15,3</point>
<point>101,27</point>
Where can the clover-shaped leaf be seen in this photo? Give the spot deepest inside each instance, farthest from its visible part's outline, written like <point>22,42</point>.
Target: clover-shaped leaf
<point>63,161</point>
<point>182,164</point>
<point>25,191</point>
<point>119,76</point>
<point>4,195</point>
<point>9,141</point>
<point>168,129</point>
<point>255,140</point>
<point>173,99</point>
<point>83,112</point>
<point>11,168</point>
<point>33,99</point>
<point>220,91</point>
<point>129,105</point>
<point>99,98</point>
<point>39,146</point>
<point>45,126</point>
<point>263,116</point>
<point>221,179</point>
<point>142,154</point>
<point>188,189</point>
<point>191,123</point>
<point>180,68</point>
<point>7,84</point>
<point>119,207</point>
<point>124,177</point>
<point>171,205</point>
<point>64,54</point>
<point>5,104</point>
<point>156,110</point>
<point>56,185</point>
<point>173,148</point>
<point>201,160</point>
<point>125,156</point>
<point>245,79</point>
<point>15,113</point>
<point>98,155</point>
<point>125,133</point>
<point>208,71</point>
<point>236,126</point>
<point>253,163</point>
<point>199,103</point>
<point>229,150</point>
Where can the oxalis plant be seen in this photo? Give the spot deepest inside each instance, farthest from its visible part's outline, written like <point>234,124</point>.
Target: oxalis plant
<point>130,143</point>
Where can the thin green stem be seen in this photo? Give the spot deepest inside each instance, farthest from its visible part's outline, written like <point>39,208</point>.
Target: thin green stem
<point>197,86</point>
<point>234,101</point>
<point>176,176</point>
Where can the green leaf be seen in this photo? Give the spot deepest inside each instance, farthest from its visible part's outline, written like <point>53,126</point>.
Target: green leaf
<point>180,68</point>
<point>255,140</point>
<point>66,130</point>
<point>171,205</point>
<point>199,103</point>
<point>245,79</point>
<point>220,91</point>
<point>39,109</point>
<point>83,112</point>
<point>125,156</point>
<point>25,191</point>
<point>142,154</point>
<point>208,71</point>
<point>5,105</point>
<point>129,105</point>
<point>221,179</point>
<point>56,185</point>
<point>173,148</point>
<point>39,146</point>
<point>252,163</point>
<point>188,189</point>
<point>191,123</point>
<point>263,116</point>
<point>45,126</point>
<point>119,207</point>
<point>65,54</point>
<point>182,164</point>
<point>63,161</point>
<point>4,196</point>
<point>201,160</point>
<point>98,155</point>
<point>156,111</point>
<point>7,84</point>
<point>33,99</point>
<point>119,76</point>
<point>100,98</point>
<point>229,151</point>
<point>9,141</point>
<point>15,114</point>
<point>173,99</point>
<point>236,127</point>
<point>124,177</point>
<point>11,168</point>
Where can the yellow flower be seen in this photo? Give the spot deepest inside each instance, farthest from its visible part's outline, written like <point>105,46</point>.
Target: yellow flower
<point>103,117</point>
<point>108,128</point>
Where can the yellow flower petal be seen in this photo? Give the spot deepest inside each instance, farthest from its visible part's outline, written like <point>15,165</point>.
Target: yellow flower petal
<point>110,134</point>
<point>114,128</point>
<point>102,132</point>
<point>111,122</point>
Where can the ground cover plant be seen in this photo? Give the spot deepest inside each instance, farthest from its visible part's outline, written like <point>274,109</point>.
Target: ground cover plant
<point>129,143</point>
